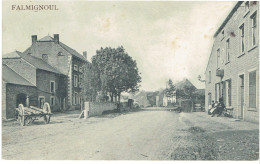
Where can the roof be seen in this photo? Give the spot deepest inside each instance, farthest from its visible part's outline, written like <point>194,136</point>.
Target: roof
<point>11,55</point>
<point>36,62</point>
<point>10,76</point>
<point>183,83</point>
<point>39,63</point>
<point>64,46</point>
<point>200,91</point>
<point>46,39</point>
<point>228,17</point>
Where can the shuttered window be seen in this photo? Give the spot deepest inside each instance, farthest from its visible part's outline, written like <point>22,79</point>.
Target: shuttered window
<point>252,89</point>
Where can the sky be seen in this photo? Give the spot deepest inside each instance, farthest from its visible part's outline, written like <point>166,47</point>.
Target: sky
<point>167,39</point>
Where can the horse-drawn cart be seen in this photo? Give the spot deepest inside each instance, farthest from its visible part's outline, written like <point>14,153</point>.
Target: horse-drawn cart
<point>27,115</point>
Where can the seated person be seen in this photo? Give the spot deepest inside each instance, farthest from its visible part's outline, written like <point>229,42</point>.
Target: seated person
<point>219,108</point>
<point>211,106</point>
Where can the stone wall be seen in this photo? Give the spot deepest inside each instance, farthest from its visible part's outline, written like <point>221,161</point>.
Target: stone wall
<point>12,91</point>
<point>97,108</point>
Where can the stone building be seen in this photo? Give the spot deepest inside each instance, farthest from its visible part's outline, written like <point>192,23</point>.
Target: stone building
<point>65,59</point>
<point>233,66</point>
<point>49,84</point>
<point>17,90</point>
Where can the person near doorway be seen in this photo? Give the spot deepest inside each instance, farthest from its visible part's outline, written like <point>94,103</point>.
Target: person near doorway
<point>211,106</point>
<point>221,107</point>
<point>218,108</point>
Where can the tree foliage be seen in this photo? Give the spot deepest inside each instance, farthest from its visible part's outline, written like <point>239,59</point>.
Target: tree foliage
<point>114,72</point>
<point>188,92</point>
<point>170,89</point>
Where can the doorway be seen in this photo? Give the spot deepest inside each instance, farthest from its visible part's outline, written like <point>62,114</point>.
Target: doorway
<point>21,99</point>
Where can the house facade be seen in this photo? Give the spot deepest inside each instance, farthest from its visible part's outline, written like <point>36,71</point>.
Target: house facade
<point>66,60</point>
<point>46,83</point>
<point>233,67</point>
<point>15,90</point>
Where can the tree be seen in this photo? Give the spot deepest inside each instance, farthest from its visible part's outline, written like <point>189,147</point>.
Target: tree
<point>114,72</point>
<point>188,92</point>
<point>170,89</point>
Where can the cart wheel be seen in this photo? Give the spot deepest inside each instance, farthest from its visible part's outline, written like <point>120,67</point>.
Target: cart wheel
<point>21,114</point>
<point>47,119</point>
<point>47,108</point>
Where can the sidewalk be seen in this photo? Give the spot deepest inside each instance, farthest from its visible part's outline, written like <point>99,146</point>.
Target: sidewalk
<point>213,124</point>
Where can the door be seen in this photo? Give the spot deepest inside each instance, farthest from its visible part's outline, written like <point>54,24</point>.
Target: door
<point>21,99</point>
<point>41,102</point>
<point>241,96</point>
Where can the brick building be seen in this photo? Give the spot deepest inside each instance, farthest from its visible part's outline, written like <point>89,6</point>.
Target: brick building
<point>65,59</point>
<point>233,66</point>
<point>49,84</point>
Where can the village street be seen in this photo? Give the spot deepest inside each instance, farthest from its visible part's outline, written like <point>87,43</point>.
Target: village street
<point>142,135</point>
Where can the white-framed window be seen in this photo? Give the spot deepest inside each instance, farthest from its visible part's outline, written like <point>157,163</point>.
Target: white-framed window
<point>242,38</point>
<point>218,58</point>
<point>75,67</point>
<point>223,34</point>
<point>252,89</point>
<point>228,92</point>
<point>52,100</point>
<point>228,51</point>
<point>75,80</point>
<point>52,86</point>
<point>209,76</point>
<point>254,25</point>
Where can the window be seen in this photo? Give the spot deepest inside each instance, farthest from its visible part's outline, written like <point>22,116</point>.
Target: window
<point>246,6</point>
<point>223,34</point>
<point>80,69</point>
<point>227,51</point>
<point>41,101</point>
<point>75,98</point>
<point>209,76</point>
<point>75,80</point>
<point>228,92</point>
<point>75,67</point>
<point>252,89</point>
<point>242,37</point>
<point>254,24</point>
<point>218,57</point>
<point>52,101</point>
<point>60,54</point>
<point>52,86</point>
<point>45,57</point>
<point>209,98</point>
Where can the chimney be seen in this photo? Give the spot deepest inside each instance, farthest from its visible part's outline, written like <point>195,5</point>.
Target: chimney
<point>85,54</point>
<point>56,38</point>
<point>34,39</point>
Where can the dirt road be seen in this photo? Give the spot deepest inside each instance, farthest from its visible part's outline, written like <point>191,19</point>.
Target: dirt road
<point>143,135</point>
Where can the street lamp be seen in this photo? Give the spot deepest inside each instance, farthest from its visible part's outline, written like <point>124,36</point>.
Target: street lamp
<point>199,78</point>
